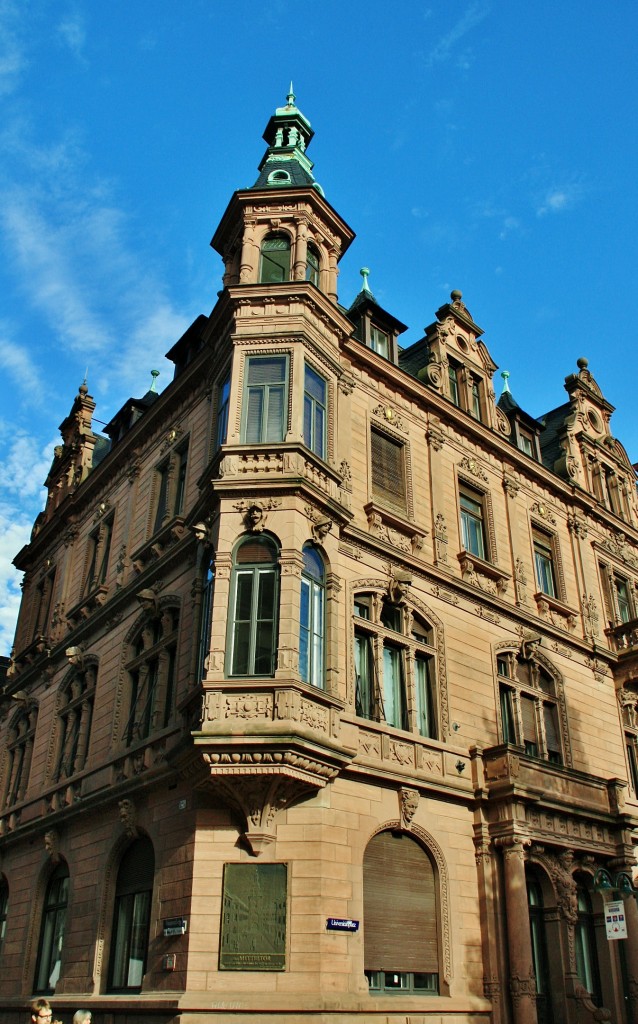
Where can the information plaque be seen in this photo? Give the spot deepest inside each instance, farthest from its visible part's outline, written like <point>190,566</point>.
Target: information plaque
<point>253,934</point>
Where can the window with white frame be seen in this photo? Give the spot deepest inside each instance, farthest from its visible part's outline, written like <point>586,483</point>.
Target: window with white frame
<point>474,538</point>
<point>529,707</point>
<point>312,618</point>
<point>314,411</point>
<point>254,603</point>
<point>274,264</point>
<point>265,406</point>
<point>394,665</point>
<point>544,562</point>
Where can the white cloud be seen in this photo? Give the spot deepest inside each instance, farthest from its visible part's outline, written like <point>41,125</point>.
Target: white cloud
<point>17,364</point>
<point>557,199</point>
<point>73,34</point>
<point>15,531</point>
<point>444,49</point>
<point>13,61</point>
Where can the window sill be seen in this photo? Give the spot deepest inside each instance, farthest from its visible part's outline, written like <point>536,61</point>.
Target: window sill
<point>556,611</point>
<point>91,603</point>
<point>482,574</point>
<point>163,539</point>
<point>393,528</point>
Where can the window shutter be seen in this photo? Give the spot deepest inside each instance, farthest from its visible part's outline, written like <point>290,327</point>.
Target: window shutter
<point>388,477</point>
<point>137,868</point>
<point>399,907</point>
<point>275,416</point>
<point>528,713</point>
<point>552,736</point>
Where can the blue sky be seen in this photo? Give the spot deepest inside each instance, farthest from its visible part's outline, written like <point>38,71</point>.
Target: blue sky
<point>486,146</point>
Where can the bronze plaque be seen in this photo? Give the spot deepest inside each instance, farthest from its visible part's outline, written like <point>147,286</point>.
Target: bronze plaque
<point>254,918</point>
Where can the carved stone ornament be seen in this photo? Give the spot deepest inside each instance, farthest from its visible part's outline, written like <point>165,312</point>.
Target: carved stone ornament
<point>473,466</point>
<point>511,486</point>
<point>540,509</point>
<point>408,803</point>
<point>590,616</point>
<point>502,422</point>
<point>577,525</point>
<point>261,784</point>
<point>52,845</point>
<point>440,538</point>
<point>101,510</point>
<point>346,475</point>
<point>560,870</point>
<point>171,437</point>
<point>387,413</point>
<point>254,513</point>
<point>398,585</point>
<point>321,524</point>
<point>128,817</point>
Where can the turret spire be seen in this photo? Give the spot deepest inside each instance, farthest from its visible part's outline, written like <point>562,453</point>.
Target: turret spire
<point>285,164</point>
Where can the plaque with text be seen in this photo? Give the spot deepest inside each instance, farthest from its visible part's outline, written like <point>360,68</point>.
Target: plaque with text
<point>254,918</point>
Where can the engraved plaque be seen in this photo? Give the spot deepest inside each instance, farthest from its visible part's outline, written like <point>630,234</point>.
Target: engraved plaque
<point>254,918</point>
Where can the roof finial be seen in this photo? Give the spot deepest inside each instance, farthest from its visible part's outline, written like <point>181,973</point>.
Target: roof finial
<point>365,273</point>
<point>154,374</point>
<point>291,96</point>
<point>505,375</point>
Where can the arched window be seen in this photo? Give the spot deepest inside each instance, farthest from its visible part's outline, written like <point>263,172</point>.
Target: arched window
<point>205,619</point>
<point>131,917</point>
<point>275,259</point>
<point>394,661</point>
<point>539,950</point>
<point>151,673</point>
<point>4,906</point>
<point>312,618</point>
<point>312,265</point>
<point>75,711</point>
<point>586,952</point>
<point>253,608</point>
<point>19,751</point>
<point>52,931</point>
<point>529,707</point>
<point>401,947</point>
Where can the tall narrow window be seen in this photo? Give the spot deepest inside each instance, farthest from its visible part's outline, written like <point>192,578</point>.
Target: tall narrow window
<point>526,442</point>
<point>223,405</point>
<point>52,931</point>
<point>205,621</point>
<point>472,522</point>
<point>623,599</point>
<point>265,399</point>
<point>180,479</point>
<point>539,951</point>
<point>586,952</point>
<point>19,752</point>
<point>43,604</point>
<point>314,412</point>
<point>75,711</point>
<point>544,563</point>
<point>476,398</point>
<point>312,618</point>
<point>312,265</point>
<point>254,605</point>
<point>529,709</point>
<point>394,664</point>
<point>453,383</point>
<point>98,555</point>
<point>275,259</point>
<point>131,918</point>
<point>4,908</point>
<point>388,470</point>
<point>400,913</point>
<point>161,508</point>
<point>507,714</point>
<point>379,342</point>
<point>151,674</point>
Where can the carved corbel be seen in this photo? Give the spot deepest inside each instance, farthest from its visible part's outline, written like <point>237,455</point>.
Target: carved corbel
<point>260,799</point>
<point>398,585</point>
<point>408,803</point>
<point>128,817</point>
<point>52,845</point>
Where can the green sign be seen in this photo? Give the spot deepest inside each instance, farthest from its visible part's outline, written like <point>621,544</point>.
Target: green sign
<point>254,918</point>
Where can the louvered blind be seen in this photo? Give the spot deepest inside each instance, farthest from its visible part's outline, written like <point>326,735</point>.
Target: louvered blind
<point>136,868</point>
<point>388,474</point>
<point>552,736</point>
<point>528,714</point>
<point>399,909</point>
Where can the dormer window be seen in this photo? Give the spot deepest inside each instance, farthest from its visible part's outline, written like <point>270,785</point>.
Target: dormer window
<point>379,341</point>
<point>275,259</point>
<point>526,443</point>
<point>279,178</point>
<point>312,265</point>
<point>453,379</point>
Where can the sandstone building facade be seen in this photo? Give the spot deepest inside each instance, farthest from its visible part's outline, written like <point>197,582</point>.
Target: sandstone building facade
<point>323,698</point>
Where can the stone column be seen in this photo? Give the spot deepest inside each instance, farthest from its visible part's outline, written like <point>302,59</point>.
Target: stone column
<point>522,978</point>
<point>301,252</point>
<point>247,269</point>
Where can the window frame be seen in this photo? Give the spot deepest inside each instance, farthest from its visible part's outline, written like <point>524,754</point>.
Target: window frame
<point>223,411</point>
<point>19,747</point>
<point>313,268</point>
<point>390,490</point>
<point>4,909</point>
<point>152,676</point>
<point>52,928</point>
<point>286,268</point>
<point>473,525</point>
<point>121,904</point>
<point>312,652</point>
<point>545,573</point>
<point>380,341</point>
<point>537,726</point>
<point>73,723</point>
<point>267,389</point>
<point>254,571</point>
<point>315,435</point>
<point>413,640</point>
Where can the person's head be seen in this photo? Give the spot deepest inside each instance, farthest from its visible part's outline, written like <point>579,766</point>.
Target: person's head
<point>82,1017</point>
<point>41,1011</point>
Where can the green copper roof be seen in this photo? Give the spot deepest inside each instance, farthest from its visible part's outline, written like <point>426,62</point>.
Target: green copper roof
<point>285,164</point>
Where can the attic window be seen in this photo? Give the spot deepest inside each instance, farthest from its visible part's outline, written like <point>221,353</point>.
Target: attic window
<point>277,177</point>
<point>594,421</point>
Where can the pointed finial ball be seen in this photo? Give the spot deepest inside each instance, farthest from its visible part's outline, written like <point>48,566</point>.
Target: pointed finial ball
<point>456,295</point>
<point>84,388</point>
<point>365,273</point>
<point>505,374</point>
<point>582,363</point>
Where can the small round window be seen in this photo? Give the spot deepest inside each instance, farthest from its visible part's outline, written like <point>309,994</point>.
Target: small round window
<point>278,177</point>
<point>594,421</point>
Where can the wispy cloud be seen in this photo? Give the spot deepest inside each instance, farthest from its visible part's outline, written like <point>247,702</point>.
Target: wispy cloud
<point>13,60</point>
<point>446,48</point>
<point>557,199</point>
<point>15,530</point>
<point>16,363</point>
<point>72,33</point>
